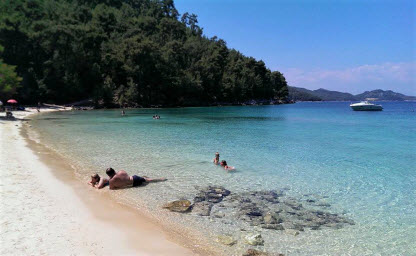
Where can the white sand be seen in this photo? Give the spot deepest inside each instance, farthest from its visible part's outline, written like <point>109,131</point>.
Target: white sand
<point>42,215</point>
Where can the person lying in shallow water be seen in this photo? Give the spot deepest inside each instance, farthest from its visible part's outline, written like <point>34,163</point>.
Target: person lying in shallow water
<point>121,179</point>
<point>226,167</point>
<point>98,182</point>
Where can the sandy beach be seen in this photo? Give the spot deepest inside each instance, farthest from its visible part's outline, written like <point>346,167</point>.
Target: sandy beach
<point>46,213</point>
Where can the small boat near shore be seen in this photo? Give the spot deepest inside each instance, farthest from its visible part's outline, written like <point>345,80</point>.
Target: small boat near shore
<point>366,106</point>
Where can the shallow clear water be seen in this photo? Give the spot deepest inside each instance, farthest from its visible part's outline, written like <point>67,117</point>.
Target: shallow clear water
<point>362,163</point>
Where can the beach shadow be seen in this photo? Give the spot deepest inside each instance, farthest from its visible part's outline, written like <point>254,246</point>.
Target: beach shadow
<point>142,185</point>
<point>3,118</point>
<point>53,118</point>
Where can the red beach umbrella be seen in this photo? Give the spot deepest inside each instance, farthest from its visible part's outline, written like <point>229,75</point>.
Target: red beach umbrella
<point>12,101</point>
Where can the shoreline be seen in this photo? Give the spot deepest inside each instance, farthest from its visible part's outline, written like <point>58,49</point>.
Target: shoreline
<point>93,216</point>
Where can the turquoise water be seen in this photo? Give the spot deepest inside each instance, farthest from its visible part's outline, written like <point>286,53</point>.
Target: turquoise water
<point>362,163</point>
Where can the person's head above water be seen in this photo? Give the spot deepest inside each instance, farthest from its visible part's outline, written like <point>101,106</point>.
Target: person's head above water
<point>110,172</point>
<point>223,163</point>
<point>95,178</point>
<point>217,155</point>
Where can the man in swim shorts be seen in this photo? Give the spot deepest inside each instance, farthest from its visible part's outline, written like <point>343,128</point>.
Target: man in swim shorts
<point>121,179</point>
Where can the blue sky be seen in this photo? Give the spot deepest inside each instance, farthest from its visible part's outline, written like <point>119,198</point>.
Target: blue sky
<point>345,45</point>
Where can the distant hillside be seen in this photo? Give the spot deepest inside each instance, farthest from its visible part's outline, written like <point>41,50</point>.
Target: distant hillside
<point>302,94</point>
<point>333,95</point>
<point>384,95</point>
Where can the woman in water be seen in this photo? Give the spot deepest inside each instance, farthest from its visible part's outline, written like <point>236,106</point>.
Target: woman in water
<point>226,167</point>
<point>216,159</point>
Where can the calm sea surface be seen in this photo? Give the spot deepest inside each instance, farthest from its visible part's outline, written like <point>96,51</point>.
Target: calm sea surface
<point>362,163</point>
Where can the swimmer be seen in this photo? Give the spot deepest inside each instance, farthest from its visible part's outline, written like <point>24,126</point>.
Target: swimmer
<point>226,167</point>
<point>216,159</point>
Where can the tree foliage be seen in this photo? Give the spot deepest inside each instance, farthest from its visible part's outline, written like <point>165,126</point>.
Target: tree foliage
<point>126,52</point>
<point>9,81</point>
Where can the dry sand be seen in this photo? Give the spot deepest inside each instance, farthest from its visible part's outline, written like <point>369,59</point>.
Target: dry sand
<point>42,214</point>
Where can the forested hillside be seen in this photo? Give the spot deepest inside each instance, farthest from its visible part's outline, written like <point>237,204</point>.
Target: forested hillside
<point>384,95</point>
<point>302,94</point>
<point>125,52</point>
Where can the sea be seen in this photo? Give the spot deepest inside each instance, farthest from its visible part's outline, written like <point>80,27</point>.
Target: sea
<point>361,164</point>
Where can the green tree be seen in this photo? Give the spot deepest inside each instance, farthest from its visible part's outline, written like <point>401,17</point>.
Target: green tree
<point>125,52</point>
<point>9,80</point>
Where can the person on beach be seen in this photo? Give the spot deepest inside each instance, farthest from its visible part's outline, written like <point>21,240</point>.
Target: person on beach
<point>226,167</point>
<point>121,179</point>
<point>216,159</point>
<point>98,182</point>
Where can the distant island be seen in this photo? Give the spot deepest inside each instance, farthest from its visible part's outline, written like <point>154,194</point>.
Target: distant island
<point>302,94</point>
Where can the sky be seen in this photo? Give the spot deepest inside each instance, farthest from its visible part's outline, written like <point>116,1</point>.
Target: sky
<point>344,45</point>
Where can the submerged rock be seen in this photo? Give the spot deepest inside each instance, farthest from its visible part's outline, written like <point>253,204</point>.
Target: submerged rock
<point>213,194</point>
<point>202,208</point>
<point>219,215</point>
<point>323,204</point>
<point>178,206</point>
<point>292,232</point>
<point>272,210</point>
<point>226,239</point>
<point>254,239</point>
<point>273,226</point>
<point>254,252</point>
<point>272,218</point>
<point>294,226</point>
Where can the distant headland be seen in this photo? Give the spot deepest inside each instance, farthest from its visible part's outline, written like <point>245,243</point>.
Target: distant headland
<point>302,94</point>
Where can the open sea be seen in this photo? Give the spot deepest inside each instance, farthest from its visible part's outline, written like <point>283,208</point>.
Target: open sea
<point>362,164</point>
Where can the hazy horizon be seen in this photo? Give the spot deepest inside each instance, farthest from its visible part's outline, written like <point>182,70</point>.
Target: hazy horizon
<point>313,89</point>
<point>349,46</point>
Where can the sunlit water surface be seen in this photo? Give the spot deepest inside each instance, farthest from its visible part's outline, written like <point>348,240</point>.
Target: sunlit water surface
<point>363,163</point>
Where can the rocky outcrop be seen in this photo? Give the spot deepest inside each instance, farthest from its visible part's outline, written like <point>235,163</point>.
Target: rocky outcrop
<point>253,239</point>
<point>178,206</point>
<point>226,239</point>
<point>270,210</point>
<point>254,252</point>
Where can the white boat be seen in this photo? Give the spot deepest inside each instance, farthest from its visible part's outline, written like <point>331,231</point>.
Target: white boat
<point>366,106</point>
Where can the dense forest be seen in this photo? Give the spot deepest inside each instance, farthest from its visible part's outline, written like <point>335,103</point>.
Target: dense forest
<point>123,53</point>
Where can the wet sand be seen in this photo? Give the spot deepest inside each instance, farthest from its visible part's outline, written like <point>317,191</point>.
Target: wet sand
<point>45,210</point>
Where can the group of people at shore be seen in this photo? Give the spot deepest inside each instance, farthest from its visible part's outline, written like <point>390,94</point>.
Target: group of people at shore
<point>119,180</point>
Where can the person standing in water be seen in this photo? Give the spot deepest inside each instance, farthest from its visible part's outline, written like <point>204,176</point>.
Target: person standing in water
<point>216,159</point>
